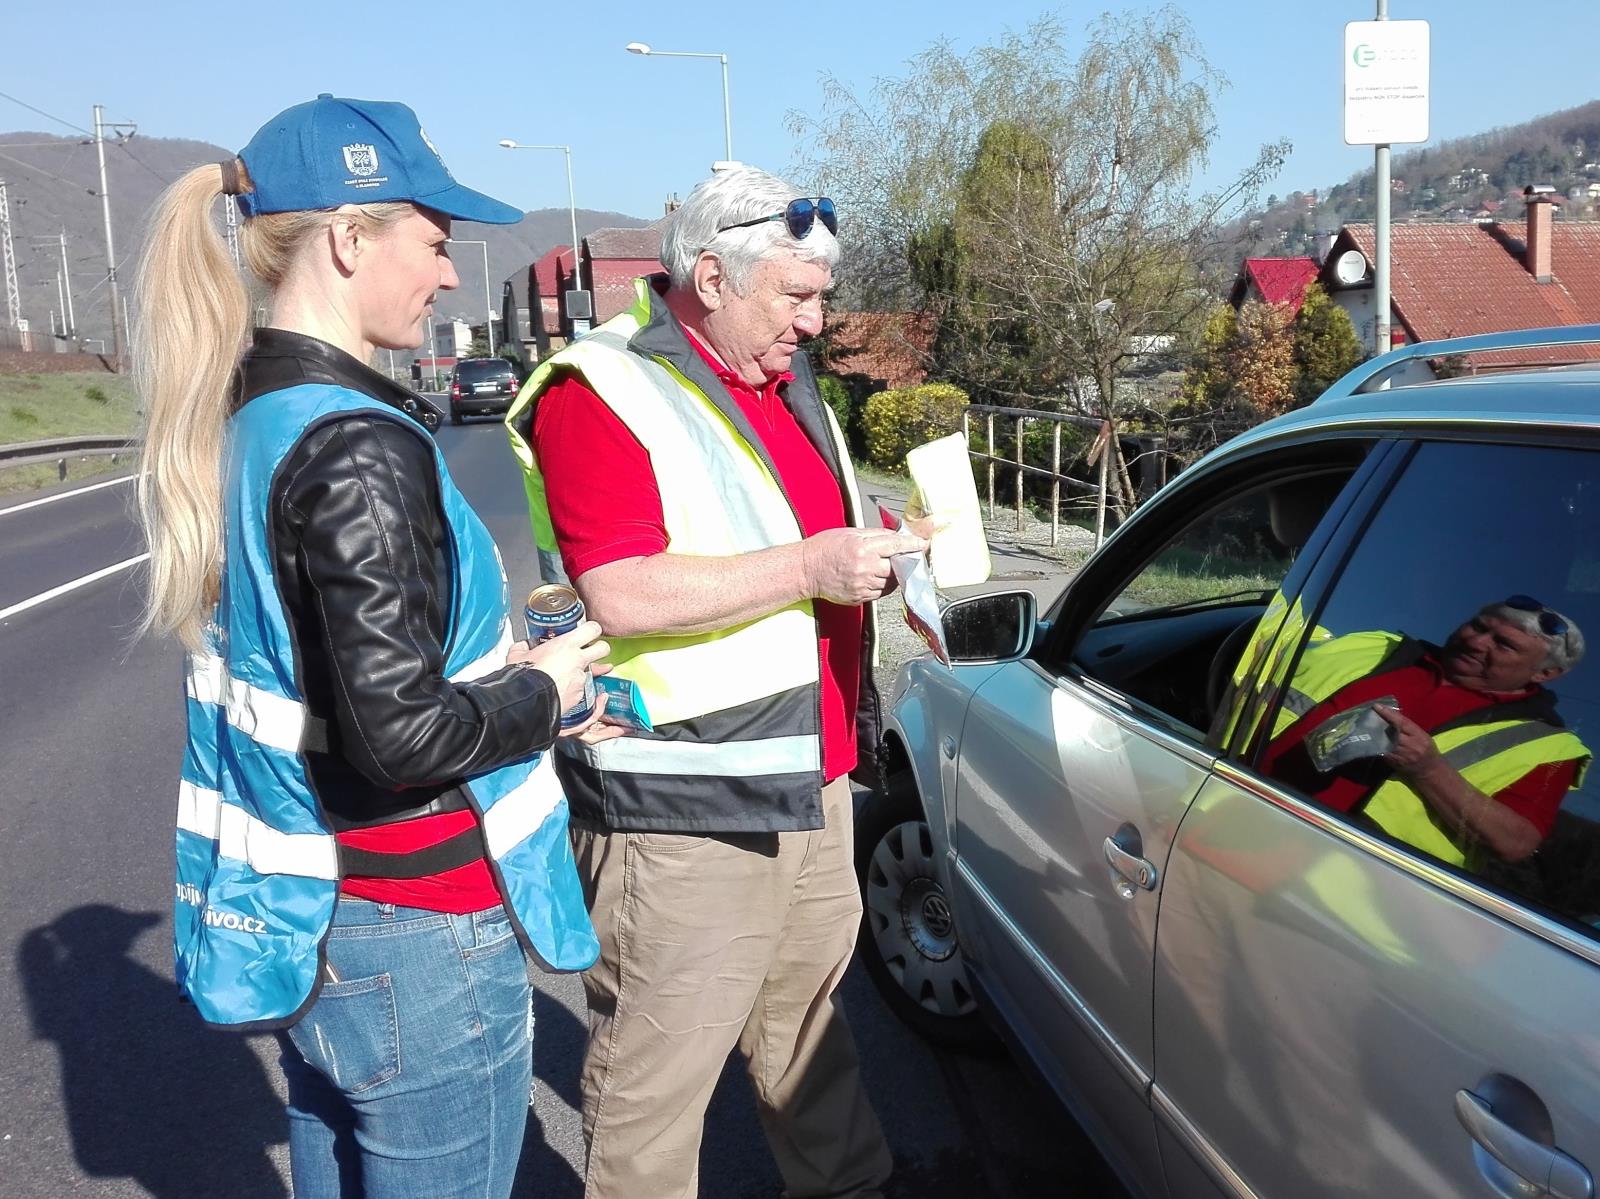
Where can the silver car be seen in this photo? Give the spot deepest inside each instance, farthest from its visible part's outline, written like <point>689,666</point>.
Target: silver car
<point>1273,844</point>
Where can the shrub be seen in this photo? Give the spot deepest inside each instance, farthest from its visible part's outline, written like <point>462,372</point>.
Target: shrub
<point>96,394</point>
<point>836,396</point>
<point>894,422</point>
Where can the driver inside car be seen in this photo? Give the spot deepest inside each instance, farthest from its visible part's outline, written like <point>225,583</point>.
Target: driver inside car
<point>1457,749</point>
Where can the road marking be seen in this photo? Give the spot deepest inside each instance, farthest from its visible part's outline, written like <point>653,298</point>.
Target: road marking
<point>44,596</point>
<point>67,495</point>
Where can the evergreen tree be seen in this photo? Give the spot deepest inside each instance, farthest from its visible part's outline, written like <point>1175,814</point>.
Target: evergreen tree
<point>1206,384</point>
<point>1325,345</point>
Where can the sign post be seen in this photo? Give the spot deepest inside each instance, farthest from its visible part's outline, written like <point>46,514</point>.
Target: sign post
<point>1385,102</point>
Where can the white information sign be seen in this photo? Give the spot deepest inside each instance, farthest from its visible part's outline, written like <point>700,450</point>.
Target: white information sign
<point>1385,82</point>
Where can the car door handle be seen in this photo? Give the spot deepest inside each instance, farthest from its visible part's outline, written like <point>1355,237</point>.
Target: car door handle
<point>1122,855</point>
<point>1542,1166</point>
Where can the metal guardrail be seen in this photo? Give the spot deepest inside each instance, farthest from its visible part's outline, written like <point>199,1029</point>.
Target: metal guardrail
<point>62,449</point>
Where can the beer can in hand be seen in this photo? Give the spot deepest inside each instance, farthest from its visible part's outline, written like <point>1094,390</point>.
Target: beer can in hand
<point>552,610</point>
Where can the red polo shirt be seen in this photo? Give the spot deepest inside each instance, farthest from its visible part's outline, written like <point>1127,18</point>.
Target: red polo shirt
<point>1424,695</point>
<point>605,506</point>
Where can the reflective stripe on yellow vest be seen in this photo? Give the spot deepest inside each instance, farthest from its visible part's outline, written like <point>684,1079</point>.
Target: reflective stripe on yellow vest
<point>718,499</point>
<point>1489,756</point>
<point>1244,703</point>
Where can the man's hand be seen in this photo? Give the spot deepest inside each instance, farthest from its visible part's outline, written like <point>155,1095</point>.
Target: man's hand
<point>1414,753</point>
<point>597,728</point>
<point>851,566</point>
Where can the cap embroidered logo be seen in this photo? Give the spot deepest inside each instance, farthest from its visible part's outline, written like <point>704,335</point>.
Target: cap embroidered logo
<point>361,160</point>
<point>428,141</point>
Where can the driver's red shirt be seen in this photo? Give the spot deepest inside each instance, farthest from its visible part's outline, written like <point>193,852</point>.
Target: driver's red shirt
<point>1423,695</point>
<point>605,506</point>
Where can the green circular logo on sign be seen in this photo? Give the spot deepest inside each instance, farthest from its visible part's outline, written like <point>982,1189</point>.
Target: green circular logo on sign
<point>1364,55</point>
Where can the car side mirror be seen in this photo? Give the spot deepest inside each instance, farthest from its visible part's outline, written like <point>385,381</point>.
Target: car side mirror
<point>990,628</point>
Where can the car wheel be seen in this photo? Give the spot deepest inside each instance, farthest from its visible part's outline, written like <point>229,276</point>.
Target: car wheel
<point>908,937</point>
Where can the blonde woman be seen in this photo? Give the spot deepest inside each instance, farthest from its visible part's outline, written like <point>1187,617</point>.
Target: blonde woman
<point>369,832</point>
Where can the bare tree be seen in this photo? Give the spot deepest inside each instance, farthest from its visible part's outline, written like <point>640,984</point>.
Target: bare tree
<point>1039,196</point>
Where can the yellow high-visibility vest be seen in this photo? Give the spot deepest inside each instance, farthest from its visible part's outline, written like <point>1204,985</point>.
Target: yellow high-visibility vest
<point>758,681</point>
<point>1490,755</point>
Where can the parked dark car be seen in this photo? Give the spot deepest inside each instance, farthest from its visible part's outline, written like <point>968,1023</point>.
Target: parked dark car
<point>481,387</point>
<point>1255,949</point>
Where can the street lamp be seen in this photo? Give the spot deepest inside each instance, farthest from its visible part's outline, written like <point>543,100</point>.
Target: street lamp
<point>727,111</point>
<point>577,297</point>
<point>488,305</point>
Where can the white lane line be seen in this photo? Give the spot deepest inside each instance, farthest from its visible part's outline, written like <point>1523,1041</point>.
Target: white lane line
<point>66,495</point>
<point>45,596</point>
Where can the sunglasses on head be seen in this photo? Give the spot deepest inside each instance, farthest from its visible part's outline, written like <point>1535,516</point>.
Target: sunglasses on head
<point>798,217</point>
<point>1550,623</point>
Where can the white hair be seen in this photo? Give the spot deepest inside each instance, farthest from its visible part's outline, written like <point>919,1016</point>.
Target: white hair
<point>729,198</point>
<point>1566,649</point>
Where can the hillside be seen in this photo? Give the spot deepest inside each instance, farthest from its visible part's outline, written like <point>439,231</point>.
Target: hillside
<point>52,184</point>
<point>1478,176</point>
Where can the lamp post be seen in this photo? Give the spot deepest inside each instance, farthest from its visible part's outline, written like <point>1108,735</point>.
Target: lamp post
<point>488,306</point>
<point>576,295</point>
<point>727,111</point>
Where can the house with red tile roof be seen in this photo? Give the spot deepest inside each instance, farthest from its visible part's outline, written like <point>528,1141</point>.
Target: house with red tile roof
<point>613,259</point>
<point>1453,280</point>
<point>548,281</point>
<point>610,260</point>
<point>1273,281</point>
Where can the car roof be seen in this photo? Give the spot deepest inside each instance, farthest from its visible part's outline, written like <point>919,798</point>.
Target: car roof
<point>1550,398</point>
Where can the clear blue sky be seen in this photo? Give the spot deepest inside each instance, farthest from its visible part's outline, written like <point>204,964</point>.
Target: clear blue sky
<point>643,127</point>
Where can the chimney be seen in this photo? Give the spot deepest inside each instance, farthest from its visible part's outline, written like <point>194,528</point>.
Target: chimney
<point>1541,207</point>
<point>673,203</point>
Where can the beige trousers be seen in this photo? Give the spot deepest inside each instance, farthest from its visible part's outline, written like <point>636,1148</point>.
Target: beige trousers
<point>708,943</point>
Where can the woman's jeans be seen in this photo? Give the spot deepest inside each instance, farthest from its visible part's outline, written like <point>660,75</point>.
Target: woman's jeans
<point>410,1076</point>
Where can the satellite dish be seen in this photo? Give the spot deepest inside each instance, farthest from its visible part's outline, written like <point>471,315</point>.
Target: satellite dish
<point>1350,267</point>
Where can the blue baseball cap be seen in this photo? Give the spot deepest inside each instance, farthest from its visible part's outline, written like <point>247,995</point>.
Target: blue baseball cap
<point>330,151</point>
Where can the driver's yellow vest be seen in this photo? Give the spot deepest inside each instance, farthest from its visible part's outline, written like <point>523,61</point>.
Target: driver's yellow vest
<point>737,710</point>
<point>1490,753</point>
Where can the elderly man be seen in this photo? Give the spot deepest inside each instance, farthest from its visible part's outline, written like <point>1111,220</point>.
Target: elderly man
<point>1478,757</point>
<point>683,470</point>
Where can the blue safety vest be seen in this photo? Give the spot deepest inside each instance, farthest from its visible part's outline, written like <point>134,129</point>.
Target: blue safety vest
<point>257,863</point>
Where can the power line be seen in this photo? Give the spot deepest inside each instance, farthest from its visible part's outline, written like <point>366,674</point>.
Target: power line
<point>159,178</point>
<point>29,166</point>
<point>43,113</point>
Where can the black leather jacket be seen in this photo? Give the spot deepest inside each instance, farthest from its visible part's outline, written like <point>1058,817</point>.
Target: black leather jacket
<point>359,542</point>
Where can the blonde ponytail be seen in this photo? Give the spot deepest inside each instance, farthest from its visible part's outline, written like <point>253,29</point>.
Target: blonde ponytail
<point>193,317</point>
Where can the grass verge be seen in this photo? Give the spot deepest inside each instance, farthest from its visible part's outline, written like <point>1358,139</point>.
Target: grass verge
<point>38,407</point>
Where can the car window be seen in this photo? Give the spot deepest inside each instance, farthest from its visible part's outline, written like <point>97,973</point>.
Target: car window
<point>1171,635</point>
<point>481,372</point>
<point>1442,698</point>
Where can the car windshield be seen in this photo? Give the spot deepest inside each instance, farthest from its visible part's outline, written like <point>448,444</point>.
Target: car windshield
<point>483,372</point>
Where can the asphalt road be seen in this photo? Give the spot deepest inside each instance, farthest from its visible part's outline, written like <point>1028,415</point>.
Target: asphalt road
<point>110,1087</point>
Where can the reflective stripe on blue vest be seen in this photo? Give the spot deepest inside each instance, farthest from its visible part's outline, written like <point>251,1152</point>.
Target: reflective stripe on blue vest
<point>257,864</point>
